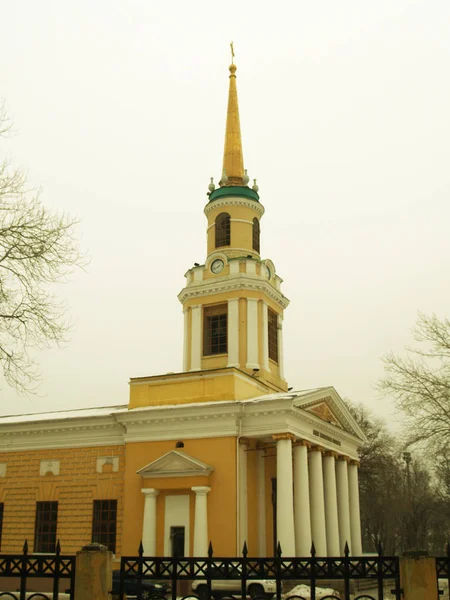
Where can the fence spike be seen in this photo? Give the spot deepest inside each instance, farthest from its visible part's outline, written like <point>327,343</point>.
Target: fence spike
<point>25,547</point>
<point>313,549</point>
<point>245,550</point>
<point>380,549</point>
<point>58,548</point>
<point>210,550</point>
<point>279,551</point>
<point>346,549</point>
<point>141,549</point>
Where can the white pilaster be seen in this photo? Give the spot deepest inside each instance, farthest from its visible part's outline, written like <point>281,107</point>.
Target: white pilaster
<point>343,504</point>
<point>316,501</point>
<point>196,338</point>
<point>280,347</point>
<point>233,332</point>
<point>261,475</point>
<point>265,336</point>
<point>302,515</point>
<point>243,493</point>
<point>331,512</point>
<point>355,519</point>
<point>149,524</point>
<point>201,521</point>
<point>285,495</point>
<point>252,334</point>
<point>186,339</point>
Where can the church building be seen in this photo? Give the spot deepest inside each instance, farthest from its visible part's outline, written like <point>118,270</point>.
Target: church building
<point>222,451</point>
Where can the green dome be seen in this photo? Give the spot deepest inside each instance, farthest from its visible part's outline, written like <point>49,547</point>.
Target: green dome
<point>232,190</point>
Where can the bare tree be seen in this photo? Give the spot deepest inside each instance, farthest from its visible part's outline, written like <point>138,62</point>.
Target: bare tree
<point>420,383</point>
<point>37,249</point>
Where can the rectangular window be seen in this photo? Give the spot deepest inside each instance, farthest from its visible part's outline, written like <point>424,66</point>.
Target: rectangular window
<point>45,527</point>
<point>2,506</point>
<point>104,523</point>
<point>273,335</point>
<point>215,322</point>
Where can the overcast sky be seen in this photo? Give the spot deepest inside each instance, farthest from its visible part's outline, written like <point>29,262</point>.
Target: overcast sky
<point>119,111</point>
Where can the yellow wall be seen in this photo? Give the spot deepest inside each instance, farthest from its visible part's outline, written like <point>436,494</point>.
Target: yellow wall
<point>75,488</point>
<point>220,453</point>
<point>241,233</point>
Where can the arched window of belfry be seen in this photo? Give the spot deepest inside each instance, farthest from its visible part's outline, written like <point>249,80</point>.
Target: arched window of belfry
<point>256,235</point>
<point>223,230</point>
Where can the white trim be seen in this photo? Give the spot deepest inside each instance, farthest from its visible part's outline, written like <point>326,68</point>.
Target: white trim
<point>241,221</point>
<point>234,267</point>
<point>196,338</point>
<point>252,334</point>
<point>243,492</point>
<point>175,464</point>
<point>250,267</point>
<point>49,465</point>
<point>149,521</point>
<point>194,377</point>
<point>265,336</point>
<point>186,339</point>
<point>280,347</point>
<point>233,332</point>
<point>235,201</point>
<point>261,479</point>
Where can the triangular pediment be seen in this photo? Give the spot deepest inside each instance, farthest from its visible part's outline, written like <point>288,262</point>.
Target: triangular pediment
<point>175,464</point>
<point>327,405</point>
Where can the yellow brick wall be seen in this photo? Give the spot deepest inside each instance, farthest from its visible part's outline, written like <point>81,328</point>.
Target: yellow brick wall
<point>75,488</point>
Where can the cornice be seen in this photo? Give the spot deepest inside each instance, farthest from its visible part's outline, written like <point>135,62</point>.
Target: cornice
<point>240,281</point>
<point>235,201</point>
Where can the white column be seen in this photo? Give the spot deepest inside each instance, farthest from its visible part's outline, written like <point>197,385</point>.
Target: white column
<point>343,504</point>
<point>201,520</point>
<point>355,519</point>
<point>149,524</point>
<point>196,338</point>
<point>331,511</point>
<point>302,517</point>
<point>265,336</point>
<point>280,347</point>
<point>261,475</point>
<point>285,494</point>
<point>316,501</point>
<point>252,334</point>
<point>233,332</point>
<point>186,339</point>
<point>243,502</point>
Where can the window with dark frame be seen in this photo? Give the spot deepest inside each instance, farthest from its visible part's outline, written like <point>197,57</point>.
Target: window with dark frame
<point>215,325</point>
<point>2,506</point>
<point>273,335</point>
<point>223,234</point>
<point>256,235</point>
<point>45,527</point>
<point>104,523</point>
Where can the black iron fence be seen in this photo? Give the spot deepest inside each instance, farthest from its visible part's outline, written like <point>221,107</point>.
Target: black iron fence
<point>261,578</point>
<point>21,572</point>
<point>443,569</point>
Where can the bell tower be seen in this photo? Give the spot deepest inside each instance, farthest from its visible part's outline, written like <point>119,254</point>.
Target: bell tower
<point>233,306</point>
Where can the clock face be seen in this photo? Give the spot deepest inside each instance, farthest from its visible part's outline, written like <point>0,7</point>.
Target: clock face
<point>267,271</point>
<point>217,266</point>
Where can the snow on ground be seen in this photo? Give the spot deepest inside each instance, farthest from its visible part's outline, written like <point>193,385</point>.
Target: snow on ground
<point>304,592</point>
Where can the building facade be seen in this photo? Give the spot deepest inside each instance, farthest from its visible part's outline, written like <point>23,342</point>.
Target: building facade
<point>223,451</point>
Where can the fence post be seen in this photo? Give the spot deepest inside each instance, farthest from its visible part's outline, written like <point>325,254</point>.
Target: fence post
<point>93,574</point>
<point>418,578</point>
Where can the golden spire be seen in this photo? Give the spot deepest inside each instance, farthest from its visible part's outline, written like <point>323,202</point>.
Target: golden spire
<point>233,160</point>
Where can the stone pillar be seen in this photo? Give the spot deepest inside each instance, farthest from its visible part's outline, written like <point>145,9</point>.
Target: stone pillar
<point>331,511</point>
<point>265,336</point>
<point>233,332</point>
<point>252,334</point>
<point>280,347</point>
<point>261,477</point>
<point>418,578</point>
<point>343,504</point>
<point>196,338</point>
<point>316,501</point>
<point>93,573</point>
<point>243,494</point>
<point>201,521</point>
<point>355,519</point>
<point>149,524</point>
<point>285,494</point>
<point>186,339</point>
<point>302,515</point>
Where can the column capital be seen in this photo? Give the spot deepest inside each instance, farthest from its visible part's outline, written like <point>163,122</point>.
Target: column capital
<point>343,457</point>
<point>244,441</point>
<point>302,443</point>
<point>320,449</point>
<point>150,492</point>
<point>283,436</point>
<point>331,453</point>
<point>201,490</point>
<point>354,462</point>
